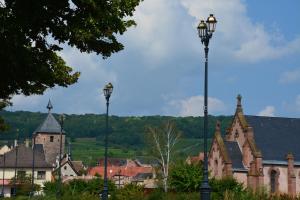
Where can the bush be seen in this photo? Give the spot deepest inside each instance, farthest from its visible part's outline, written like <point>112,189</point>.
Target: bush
<point>129,192</point>
<point>219,187</point>
<point>78,186</point>
<point>186,178</point>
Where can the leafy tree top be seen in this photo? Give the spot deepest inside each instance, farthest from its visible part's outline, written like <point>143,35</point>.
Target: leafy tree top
<point>31,33</point>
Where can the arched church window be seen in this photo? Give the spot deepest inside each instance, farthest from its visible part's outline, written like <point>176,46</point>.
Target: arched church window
<point>273,177</point>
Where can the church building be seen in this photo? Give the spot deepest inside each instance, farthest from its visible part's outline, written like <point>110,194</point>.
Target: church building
<point>259,152</point>
<point>48,135</point>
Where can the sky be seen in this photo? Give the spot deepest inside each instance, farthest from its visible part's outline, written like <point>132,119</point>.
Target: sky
<point>254,52</point>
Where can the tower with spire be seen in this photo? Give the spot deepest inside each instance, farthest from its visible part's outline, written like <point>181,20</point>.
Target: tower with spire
<point>48,134</point>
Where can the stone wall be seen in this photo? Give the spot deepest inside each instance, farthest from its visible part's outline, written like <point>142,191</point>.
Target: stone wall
<point>51,148</point>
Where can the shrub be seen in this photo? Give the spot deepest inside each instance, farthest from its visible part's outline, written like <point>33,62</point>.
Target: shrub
<point>129,192</point>
<point>185,177</point>
<point>219,187</point>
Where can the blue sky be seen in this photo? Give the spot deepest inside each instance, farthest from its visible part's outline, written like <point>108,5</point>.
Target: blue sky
<point>255,51</point>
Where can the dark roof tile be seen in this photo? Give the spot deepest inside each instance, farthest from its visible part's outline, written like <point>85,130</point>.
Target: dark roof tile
<point>24,158</point>
<point>50,125</point>
<point>276,136</point>
<point>235,154</point>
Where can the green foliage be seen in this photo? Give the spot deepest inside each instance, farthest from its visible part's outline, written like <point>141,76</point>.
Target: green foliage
<point>29,60</point>
<point>127,132</point>
<point>129,192</point>
<point>3,125</point>
<point>260,194</point>
<point>185,177</point>
<point>76,187</point>
<point>23,184</point>
<point>219,187</point>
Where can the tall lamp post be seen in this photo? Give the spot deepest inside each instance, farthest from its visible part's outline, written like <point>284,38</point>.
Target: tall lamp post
<point>33,166</point>
<point>107,90</point>
<point>16,165</point>
<point>205,31</point>
<point>61,120</point>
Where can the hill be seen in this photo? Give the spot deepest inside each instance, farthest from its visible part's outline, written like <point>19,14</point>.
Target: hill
<point>126,131</point>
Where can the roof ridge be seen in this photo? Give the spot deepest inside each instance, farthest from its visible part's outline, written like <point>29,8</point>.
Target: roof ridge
<point>272,117</point>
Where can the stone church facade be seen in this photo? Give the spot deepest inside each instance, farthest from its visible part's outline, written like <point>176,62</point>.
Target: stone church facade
<point>259,152</point>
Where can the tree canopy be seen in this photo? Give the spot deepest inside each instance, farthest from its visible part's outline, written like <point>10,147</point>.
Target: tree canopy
<point>32,32</point>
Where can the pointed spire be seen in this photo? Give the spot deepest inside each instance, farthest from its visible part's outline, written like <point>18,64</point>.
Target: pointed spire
<point>69,150</point>
<point>218,126</point>
<point>49,106</point>
<point>239,103</point>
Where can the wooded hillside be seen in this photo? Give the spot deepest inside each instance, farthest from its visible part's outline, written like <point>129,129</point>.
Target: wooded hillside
<point>127,132</point>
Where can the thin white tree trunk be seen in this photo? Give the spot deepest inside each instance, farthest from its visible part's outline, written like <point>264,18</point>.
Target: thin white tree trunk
<point>164,148</point>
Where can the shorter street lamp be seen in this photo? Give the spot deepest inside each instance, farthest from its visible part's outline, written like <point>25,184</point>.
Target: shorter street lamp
<point>3,177</point>
<point>107,91</point>
<point>33,166</point>
<point>205,31</point>
<point>16,164</point>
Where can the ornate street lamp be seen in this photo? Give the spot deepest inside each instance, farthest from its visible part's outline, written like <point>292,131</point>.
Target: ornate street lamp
<point>205,31</point>
<point>107,90</point>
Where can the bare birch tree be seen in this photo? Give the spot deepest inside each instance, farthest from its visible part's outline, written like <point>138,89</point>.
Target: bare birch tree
<point>162,141</point>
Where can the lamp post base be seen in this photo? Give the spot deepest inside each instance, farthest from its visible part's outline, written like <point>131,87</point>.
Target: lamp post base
<point>104,195</point>
<point>205,191</point>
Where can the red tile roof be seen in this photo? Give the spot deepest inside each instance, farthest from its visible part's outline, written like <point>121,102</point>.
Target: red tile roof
<point>129,171</point>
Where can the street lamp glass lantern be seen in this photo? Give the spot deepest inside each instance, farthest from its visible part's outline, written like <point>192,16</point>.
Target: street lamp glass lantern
<point>211,23</point>
<point>108,90</point>
<point>202,28</point>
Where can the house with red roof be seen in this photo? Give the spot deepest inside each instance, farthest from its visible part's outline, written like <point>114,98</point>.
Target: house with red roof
<point>122,171</point>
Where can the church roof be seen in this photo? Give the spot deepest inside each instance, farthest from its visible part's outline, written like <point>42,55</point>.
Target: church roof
<point>24,158</point>
<point>276,136</point>
<point>235,154</point>
<point>50,125</point>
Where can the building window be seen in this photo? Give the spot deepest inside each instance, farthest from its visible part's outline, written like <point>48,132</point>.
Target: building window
<point>41,175</point>
<point>65,167</point>
<point>273,181</point>
<point>51,138</point>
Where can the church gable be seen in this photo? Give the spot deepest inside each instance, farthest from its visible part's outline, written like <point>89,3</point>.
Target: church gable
<point>67,169</point>
<point>218,156</point>
<point>239,126</point>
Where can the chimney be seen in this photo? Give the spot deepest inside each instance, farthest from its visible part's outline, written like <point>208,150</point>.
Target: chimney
<point>291,175</point>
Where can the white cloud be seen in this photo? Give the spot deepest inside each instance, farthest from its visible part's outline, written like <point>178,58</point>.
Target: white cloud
<point>239,36</point>
<point>154,27</point>
<point>290,76</point>
<point>267,111</point>
<point>193,106</point>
